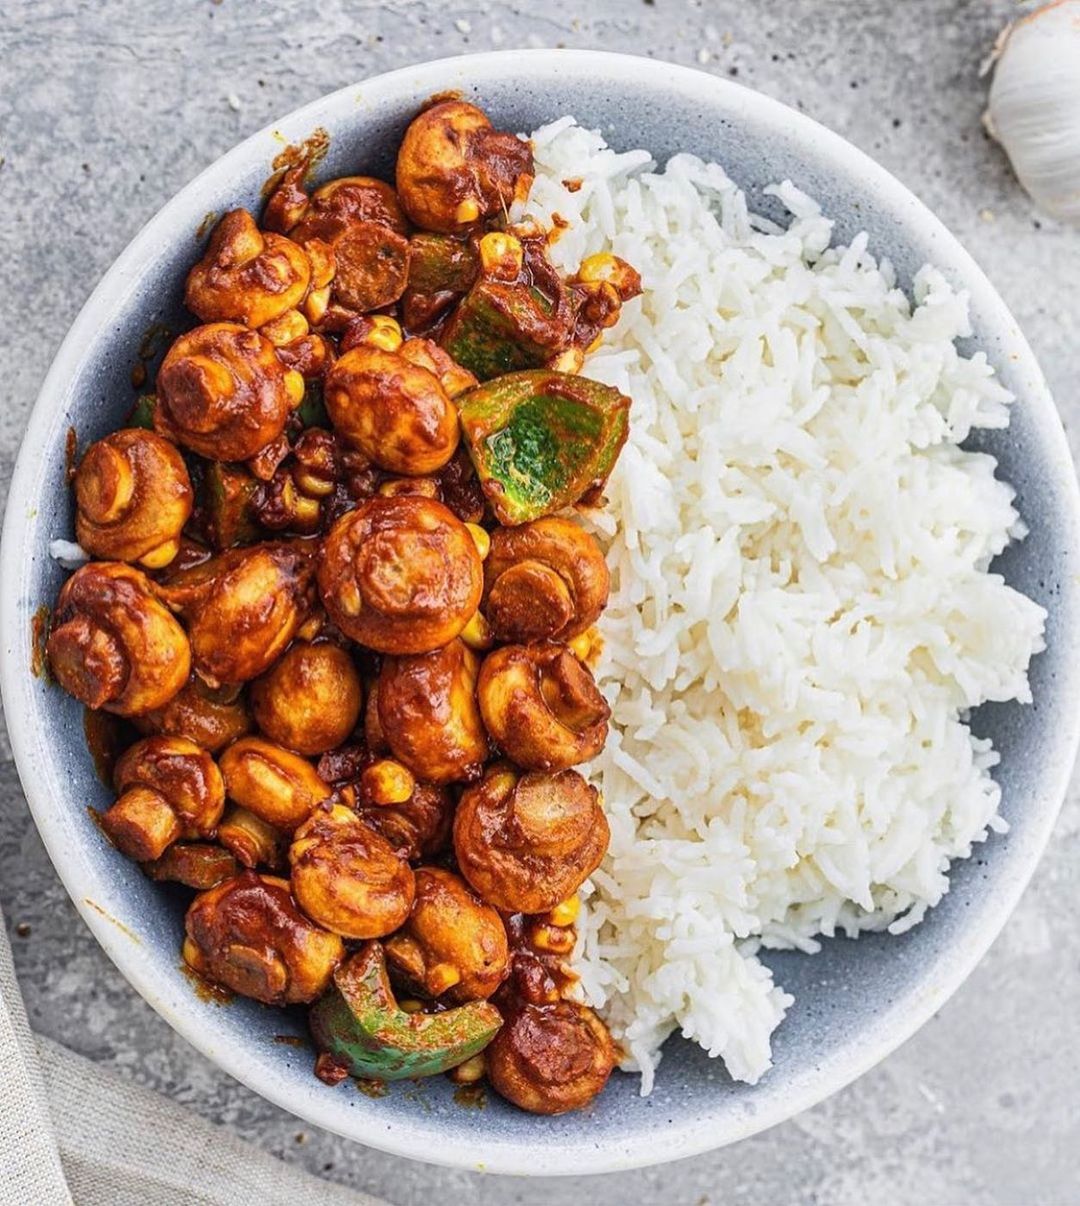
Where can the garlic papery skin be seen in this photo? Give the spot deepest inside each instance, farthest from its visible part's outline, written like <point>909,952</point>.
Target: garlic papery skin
<point>1034,107</point>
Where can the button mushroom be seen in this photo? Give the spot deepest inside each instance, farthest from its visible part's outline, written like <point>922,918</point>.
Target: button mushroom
<point>541,705</point>
<point>133,496</point>
<point>248,935</point>
<point>310,699</point>
<point>113,644</point>
<point>275,784</point>
<point>400,575</point>
<point>527,842</point>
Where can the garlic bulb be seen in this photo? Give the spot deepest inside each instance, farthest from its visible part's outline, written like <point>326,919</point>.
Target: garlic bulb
<point>1034,108</point>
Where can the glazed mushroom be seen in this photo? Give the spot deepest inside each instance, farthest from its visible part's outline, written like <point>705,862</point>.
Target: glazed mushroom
<point>310,699</point>
<point>452,943</point>
<point>428,714</point>
<point>454,170</point>
<point>133,496</point>
<point>548,1059</point>
<point>544,580</point>
<point>248,935</point>
<point>168,788</point>
<point>348,878</point>
<point>360,221</point>
<point>113,644</point>
<point>275,784</point>
<point>454,379</point>
<point>527,842</point>
<point>242,608</point>
<point>197,865</point>
<point>223,392</point>
<point>247,275</point>
<point>251,840</point>
<point>400,575</point>
<point>209,718</point>
<point>541,705</point>
<point>394,411</point>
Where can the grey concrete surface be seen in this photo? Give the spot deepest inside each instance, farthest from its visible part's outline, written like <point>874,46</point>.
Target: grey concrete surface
<point>107,107</point>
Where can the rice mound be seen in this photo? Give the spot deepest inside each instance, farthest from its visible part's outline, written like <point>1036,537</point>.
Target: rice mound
<point>801,610</point>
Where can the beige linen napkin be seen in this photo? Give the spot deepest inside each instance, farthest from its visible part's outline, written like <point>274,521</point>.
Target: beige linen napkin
<point>71,1131</point>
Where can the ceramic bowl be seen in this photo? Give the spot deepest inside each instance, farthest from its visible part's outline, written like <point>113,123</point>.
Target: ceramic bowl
<point>856,1001</point>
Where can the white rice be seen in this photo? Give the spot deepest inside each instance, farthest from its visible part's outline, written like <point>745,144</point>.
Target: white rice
<point>802,612</point>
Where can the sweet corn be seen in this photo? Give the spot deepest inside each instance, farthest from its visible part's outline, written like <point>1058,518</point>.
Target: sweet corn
<point>385,333</point>
<point>470,1071</point>
<point>480,538</point>
<point>311,627</point>
<point>411,1006</point>
<point>477,633</point>
<point>387,782</point>
<point>311,484</point>
<point>161,556</point>
<point>294,386</point>
<point>555,939</point>
<point>566,911</point>
<point>587,645</point>
<point>316,304</point>
<point>441,977</point>
<point>569,361</point>
<point>467,211</point>
<point>596,268</point>
<point>501,255</point>
<point>287,328</point>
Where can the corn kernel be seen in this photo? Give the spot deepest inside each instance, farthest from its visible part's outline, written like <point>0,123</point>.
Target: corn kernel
<point>587,645</point>
<point>441,977</point>
<point>161,556</point>
<point>386,333</point>
<point>411,1006</point>
<point>311,484</point>
<point>597,268</point>
<point>294,386</point>
<point>501,255</point>
<point>556,939</point>
<point>472,1070</point>
<point>315,306</point>
<point>467,211</point>
<point>387,782</point>
<point>570,361</point>
<point>477,633</point>
<point>311,627</point>
<point>566,911</point>
<point>480,538</point>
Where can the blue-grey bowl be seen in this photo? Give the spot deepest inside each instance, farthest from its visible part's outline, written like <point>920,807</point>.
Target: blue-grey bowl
<point>856,1001</point>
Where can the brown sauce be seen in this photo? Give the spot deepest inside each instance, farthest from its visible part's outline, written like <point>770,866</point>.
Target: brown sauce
<point>40,623</point>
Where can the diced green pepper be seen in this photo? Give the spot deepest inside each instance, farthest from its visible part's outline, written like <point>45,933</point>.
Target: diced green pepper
<point>499,328</point>
<point>142,413</point>
<point>540,440</point>
<point>312,409</point>
<point>441,264</point>
<point>228,500</point>
<point>360,1023</point>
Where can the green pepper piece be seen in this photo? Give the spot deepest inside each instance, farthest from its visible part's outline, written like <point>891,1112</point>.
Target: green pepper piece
<point>360,1023</point>
<point>228,500</point>
<point>499,328</point>
<point>142,413</point>
<point>312,409</point>
<point>441,264</point>
<point>540,440</point>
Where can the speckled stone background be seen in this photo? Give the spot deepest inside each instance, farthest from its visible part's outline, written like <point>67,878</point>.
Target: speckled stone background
<point>107,107</point>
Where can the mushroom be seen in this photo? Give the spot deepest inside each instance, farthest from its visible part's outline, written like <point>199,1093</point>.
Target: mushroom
<point>310,699</point>
<point>348,878</point>
<point>428,714</point>
<point>242,608</point>
<point>452,943</point>
<point>248,935</point>
<point>400,575</point>
<point>544,580</point>
<point>247,275</point>
<point>168,788</point>
<point>541,705</point>
<point>133,497</point>
<point>223,392</point>
<point>275,784</point>
<point>210,718</point>
<point>454,170</point>
<point>527,842</point>
<point>113,644</point>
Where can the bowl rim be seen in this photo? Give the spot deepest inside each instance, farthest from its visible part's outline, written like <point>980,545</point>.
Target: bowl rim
<point>605,1156</point>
